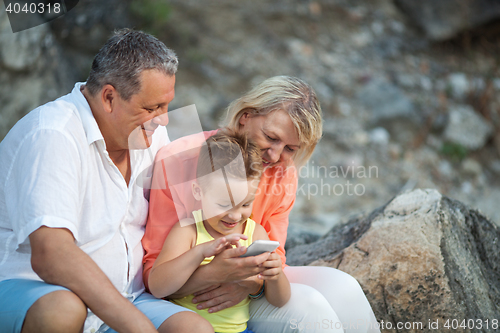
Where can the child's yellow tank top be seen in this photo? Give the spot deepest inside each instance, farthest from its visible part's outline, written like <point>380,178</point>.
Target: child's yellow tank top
<point>235,318</point>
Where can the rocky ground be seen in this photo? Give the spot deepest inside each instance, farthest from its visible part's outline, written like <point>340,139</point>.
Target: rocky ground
<point>404,107</point>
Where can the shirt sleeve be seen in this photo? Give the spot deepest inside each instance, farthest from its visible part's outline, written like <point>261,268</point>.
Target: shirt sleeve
<point>278,220</point>
<point>43,184</point>
<point>162,216</point>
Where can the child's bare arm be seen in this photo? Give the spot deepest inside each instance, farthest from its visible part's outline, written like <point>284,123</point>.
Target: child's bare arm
<point>168,274</point>
<point>277,288</point>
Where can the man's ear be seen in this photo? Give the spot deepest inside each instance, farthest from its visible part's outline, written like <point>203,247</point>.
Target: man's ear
<point>108,97</point>
<point>196,190</point>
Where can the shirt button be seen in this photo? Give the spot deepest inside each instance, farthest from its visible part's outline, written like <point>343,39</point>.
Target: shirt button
<point>92,330</point>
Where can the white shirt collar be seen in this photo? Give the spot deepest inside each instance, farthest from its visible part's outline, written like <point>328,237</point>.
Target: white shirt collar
<point>90,126</point>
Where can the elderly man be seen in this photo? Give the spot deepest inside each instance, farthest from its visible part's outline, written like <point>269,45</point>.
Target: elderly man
<point>73,205</point>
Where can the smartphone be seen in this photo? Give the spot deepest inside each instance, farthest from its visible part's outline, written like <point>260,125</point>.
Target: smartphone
<point>260,246</point>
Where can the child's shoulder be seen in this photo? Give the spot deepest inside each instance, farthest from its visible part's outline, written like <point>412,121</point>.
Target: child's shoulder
<point>185,228</point>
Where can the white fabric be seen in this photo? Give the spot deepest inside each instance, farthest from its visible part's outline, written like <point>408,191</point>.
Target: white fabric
<point>55,172</point>
<point>323,299</point>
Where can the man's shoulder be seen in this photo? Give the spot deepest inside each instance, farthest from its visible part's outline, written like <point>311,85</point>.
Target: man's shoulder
<point>58,118</point>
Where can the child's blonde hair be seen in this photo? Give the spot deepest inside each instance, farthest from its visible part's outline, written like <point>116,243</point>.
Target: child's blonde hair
<point>222,149</point>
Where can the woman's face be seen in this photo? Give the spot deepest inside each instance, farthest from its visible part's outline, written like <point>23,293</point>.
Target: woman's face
<point>274,133</point>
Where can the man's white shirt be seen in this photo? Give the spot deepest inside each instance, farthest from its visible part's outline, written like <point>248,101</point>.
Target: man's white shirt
<point>55,172</point>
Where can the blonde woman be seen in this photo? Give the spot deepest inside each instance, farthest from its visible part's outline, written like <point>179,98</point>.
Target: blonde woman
<point>283,116</point>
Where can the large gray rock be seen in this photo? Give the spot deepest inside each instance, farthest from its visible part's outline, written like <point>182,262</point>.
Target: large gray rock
<point>443,19</point>
<point>420,258</point>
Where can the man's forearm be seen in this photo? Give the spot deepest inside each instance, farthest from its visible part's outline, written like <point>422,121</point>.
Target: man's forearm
<point>57,260</point>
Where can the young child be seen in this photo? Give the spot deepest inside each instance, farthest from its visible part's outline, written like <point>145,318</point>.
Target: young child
<point>228,174</point>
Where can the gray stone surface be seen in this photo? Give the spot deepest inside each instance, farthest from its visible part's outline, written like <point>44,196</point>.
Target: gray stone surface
<point>445,18</point>
<point>467,128</point>
<point>385,101</point>
<point>422,257</point>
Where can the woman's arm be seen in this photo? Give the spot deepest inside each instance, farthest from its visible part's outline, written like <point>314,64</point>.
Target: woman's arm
<point>277,287</point>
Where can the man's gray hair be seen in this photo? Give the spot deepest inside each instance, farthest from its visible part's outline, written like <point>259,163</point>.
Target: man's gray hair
<point>124,57</point>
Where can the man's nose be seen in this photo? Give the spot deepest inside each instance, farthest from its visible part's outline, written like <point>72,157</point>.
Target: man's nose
<point>161,119</point>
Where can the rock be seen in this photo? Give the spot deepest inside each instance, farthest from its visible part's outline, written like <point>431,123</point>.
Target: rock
<point>20,51</point>
<point>346,132</point>
<point>420,258</point>
<point>385,101</point>
<point>467,188</point>
<point>389,107</point>
<point>471,168</point>
<point>444,19</point>
<point>87,26</point>
<point>299,235</point>
<point>445,170</point>
<point>459,85</point>
<point>33,71</point>
<point>379,136</point>
<point>467,128</point>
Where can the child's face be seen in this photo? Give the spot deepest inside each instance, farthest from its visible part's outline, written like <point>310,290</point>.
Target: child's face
<point>225,215</point>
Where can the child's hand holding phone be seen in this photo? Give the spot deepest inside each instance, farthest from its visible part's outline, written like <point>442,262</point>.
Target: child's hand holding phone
<point>273,267</point>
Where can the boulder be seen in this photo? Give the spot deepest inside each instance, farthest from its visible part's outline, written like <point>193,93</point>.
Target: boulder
<point>421,258</point>
<point>467,128</point>
<point>443,19</point>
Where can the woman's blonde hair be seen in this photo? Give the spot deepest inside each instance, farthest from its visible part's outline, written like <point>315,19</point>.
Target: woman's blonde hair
<point>291,95</point>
